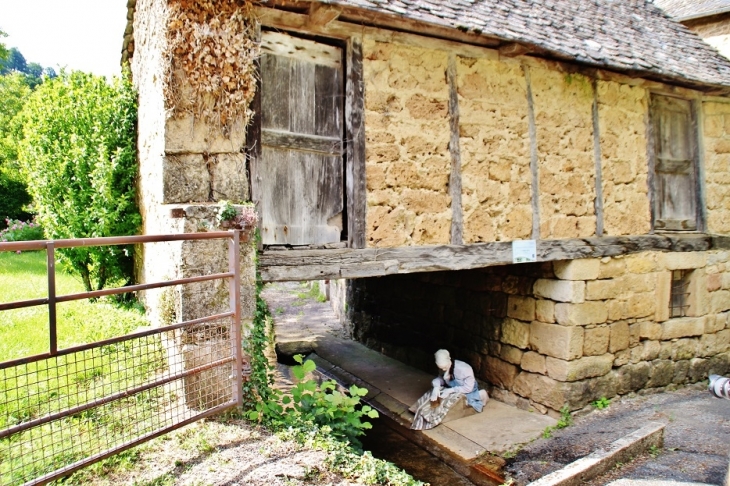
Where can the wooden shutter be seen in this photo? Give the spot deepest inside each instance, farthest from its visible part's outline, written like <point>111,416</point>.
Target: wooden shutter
<point>298,180</point>
<point>675,164</point>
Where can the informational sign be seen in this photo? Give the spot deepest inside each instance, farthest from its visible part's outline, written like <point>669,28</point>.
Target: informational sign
<point>524,251</point>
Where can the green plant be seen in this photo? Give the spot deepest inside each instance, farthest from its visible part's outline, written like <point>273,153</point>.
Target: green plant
<point>21,231</point>
<point>654,451</point>
<point>78,156</point>
<point>319,404</point>
<point>226,212</point>
<point>601,403</point>
<point>566,419</point>
<point>548,432</point>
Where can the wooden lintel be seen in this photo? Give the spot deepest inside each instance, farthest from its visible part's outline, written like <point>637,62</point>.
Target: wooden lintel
<point>280,265</point>
<point>321,14</point>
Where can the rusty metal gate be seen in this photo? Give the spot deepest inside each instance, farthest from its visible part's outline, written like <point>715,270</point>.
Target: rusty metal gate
<point>65,409</point>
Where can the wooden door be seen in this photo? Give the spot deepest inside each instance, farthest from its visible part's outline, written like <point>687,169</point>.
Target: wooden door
<point>675,164</point>
<point>298,179</point>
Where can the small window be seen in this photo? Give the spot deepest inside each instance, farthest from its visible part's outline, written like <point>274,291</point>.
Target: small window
<point>679,297</point>
<point>674,191</point>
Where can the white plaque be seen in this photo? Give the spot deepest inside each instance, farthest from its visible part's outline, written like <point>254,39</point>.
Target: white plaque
<point>524,251</point>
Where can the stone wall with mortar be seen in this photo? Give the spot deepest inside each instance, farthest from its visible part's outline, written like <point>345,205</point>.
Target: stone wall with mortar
<point>566,163</point>
<point>495,150</point>
<point>622,122</point>
<point>407,138</point>
<point>716,164</point>
<point>561,333</point>
<point>409,163</point>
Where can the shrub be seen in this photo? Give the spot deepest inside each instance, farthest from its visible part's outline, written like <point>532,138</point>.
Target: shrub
<point>17,230</point>
<point>79,157</point>
<point>13,198</point>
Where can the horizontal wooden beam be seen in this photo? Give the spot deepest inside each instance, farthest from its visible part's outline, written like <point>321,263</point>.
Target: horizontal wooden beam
<point>301,141</point>
<point>284,265</point>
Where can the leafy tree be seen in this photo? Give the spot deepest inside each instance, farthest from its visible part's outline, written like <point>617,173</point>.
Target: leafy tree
<point>15,61</point>
<point>14,196</point>
<point>4,53</point>
<point>78,155</point>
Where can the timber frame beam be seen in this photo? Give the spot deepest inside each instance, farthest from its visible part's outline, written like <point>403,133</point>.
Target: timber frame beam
<point>286,265</point>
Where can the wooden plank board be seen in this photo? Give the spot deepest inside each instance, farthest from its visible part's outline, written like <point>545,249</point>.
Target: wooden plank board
<point>302,141</point>
<point>355,136</point>
<point>286,46</point>
<point>457,218</point>
<point>370,262</point>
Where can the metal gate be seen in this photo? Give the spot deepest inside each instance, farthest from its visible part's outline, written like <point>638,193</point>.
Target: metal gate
<point>65,409</point>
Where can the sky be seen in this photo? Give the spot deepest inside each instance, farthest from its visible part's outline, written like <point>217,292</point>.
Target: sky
<point>84,35</point>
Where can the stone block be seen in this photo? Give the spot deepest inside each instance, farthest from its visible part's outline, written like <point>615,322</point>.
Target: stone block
<point>650,350</point>
<point>634,334</point>
<point>681,368</point>
<point>616,310</point>
<point>499,372</point>
<point>698,370</point>
<point>603,289</point>
<point>712,344</point>
<point>511,354</point>
<point>662,296</point>
<point>682,327</point>
<point>640,305</point>
<point>185,179</point>
<point>229,181</point>
<point>534,362</point>
<point>641,263</point>
<point>650,330</point>
<point>540,389</point>
<point>720,301</point>
<point>187,134</point>
<point>581,314</point>
<point>714,323</point>
<point>622,357</point>
<point>545,311</point>
<point>632,377</point>
<point>662,373</point>
<point>556,341</point>
<point>714,282</point>
<point>582,269</point>
<point>578,394</point>
<point>611,267</point>
<point>579,369</point>
<point>595,341</point>
<point>561,290</point>
<point>719,365</point>
<point>684,349</point>
<point>516,333</point>
<point>521,307</point>
<point>619,337</point>
<point>682,260</point>
<point>665,350</point>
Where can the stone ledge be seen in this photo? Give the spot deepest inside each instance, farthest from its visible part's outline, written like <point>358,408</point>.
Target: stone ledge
<point>599,462</point>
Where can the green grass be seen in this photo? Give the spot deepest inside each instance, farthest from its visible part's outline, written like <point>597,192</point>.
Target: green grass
<point>37,389</point>
<point>24,332</point>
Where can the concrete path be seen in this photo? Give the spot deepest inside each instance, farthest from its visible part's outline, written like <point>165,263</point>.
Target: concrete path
<point>303,324</point>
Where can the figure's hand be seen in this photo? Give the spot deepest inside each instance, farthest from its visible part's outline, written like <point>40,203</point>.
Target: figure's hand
<point>446,392</point>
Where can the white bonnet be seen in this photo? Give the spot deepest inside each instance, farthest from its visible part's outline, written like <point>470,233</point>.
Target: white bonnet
<point>443,359</point>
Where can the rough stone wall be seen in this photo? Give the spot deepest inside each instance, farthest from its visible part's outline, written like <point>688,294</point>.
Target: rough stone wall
<point>407,137</point>
<point>495,150</point>
<point>622,116</point>
<point>716,163</point>
<point>561,333</point>
<point>563,106</point>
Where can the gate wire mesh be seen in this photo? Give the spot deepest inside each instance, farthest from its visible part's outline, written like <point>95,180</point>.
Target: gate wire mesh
<point>66,409</point>
<point>110,395</point>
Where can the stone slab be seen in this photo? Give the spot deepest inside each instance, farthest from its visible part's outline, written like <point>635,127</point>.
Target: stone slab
<point>600,461</point>
<point>500,426</point>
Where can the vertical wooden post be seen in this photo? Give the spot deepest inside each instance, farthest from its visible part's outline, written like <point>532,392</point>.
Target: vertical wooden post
<point>234,297</point>
<point>355,139</point>
<point>51,270</point>
<point>598,203</point>
<point>533,157</point>
<point>457,218</point>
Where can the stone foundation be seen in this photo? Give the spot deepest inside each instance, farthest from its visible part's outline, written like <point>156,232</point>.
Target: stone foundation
<point>553,334</point>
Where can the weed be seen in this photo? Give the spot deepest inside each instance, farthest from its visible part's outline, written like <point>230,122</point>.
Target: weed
<point>654,451</point>
<point>279,311</point>
<point>601,403</point>
<point>548,432</point>
<point>566,419</point>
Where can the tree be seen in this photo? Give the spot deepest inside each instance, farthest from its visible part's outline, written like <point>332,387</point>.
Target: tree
<point>14,196</point>
<point>4,53</point>
<point>15,61</point>
<point>78,155</point>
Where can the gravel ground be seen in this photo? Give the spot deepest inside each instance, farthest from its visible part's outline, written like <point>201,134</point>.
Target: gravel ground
<point>696,439</point>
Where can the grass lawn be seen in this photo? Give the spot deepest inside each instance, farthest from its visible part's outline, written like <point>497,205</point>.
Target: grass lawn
<point>24,332</point>
<point>30,391</point>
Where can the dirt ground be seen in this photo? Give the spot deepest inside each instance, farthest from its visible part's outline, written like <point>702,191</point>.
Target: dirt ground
<point>696,439</point>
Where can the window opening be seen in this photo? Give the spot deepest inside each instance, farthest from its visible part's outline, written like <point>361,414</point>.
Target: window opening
<point>680,293</point>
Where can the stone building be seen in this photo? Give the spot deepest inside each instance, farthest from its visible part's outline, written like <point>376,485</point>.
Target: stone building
<point>710,19</point>
<point>540,186</point>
